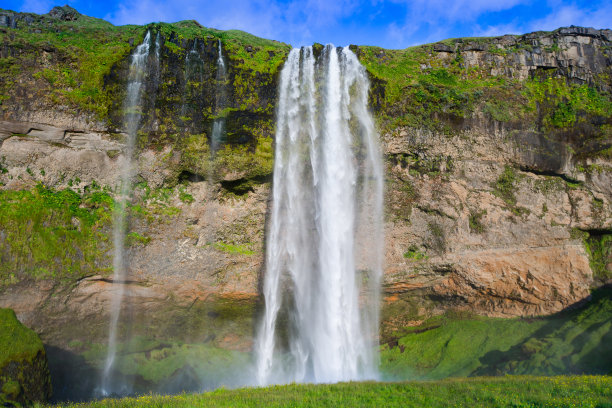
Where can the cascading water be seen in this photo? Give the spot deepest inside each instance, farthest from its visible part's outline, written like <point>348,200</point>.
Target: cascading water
<point>132,116</point>
<point>219,123</point>
<point>325,238</point>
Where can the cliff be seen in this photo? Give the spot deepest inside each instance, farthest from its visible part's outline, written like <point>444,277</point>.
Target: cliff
<point>498,194</point>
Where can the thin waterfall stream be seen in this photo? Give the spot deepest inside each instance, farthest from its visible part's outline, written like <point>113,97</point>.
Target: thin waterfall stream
<point>219,122</point>
<point>132,118</point>
<point>324,243</point>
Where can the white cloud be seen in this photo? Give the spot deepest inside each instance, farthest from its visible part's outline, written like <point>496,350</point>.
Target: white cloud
<point>497,30</point>
<point>598,17</point>
<point>432,20</point>
<point>433,11</point>
<point>295,20</point>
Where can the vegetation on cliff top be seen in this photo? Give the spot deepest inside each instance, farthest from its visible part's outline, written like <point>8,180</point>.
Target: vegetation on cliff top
<point>70,60</point>
<point>482,392</point>
<point>424,90</point>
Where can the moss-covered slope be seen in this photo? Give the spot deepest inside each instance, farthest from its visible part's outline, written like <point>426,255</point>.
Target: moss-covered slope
<point>575,341</point>
<point>24,376</point>
<point>50,234</point>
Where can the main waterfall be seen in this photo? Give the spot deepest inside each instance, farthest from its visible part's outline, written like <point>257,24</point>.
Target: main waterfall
<point>325,237</point>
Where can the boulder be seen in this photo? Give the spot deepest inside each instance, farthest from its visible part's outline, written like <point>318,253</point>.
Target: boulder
<point>24,372</point>
<point>65,13</point>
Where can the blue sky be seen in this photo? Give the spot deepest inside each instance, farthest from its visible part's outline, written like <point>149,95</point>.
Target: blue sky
<point>390,24</point>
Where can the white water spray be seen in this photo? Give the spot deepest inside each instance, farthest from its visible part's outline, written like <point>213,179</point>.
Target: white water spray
<point>324,247</point>
<point>133,112</point>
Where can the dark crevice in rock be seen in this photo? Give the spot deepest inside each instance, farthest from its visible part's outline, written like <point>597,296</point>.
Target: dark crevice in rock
<point>549,173</point>
<point>243,186</point>
<point>434,211</point>
<point>596,232</point>
<point>186,175</point>
<point>122,282</point>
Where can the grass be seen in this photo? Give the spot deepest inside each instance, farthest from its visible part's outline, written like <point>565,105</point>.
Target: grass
<point>576,341</point>
<point>585,391</point>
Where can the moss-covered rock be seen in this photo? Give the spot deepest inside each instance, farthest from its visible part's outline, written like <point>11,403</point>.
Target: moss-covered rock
<point>458,344</point>
<point>24,375</point>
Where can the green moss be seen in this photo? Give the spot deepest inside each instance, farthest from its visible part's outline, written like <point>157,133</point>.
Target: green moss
<point>17,342</point>
<point>134,238</point>
<point>563,104</point>
<point>422,91</point>
<point>156,361</point>
<point>414,253</point>
<point>53,234</point>
<point>599,249</point>
<point>85,51</point>
<point>233,249</point>
<point>504,187</point>
<point>184,196</point>
<point>254,165</point>
<point>475,222</point>
<point>576,341</point>
<point>11,389</point>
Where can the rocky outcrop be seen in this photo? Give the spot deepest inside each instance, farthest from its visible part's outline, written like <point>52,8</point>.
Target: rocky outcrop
<point>24,375</point>
<point>576,52</point>
<point>470,231</point>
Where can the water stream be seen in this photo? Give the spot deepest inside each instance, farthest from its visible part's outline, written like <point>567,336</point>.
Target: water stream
<point>324,243</point>
<point>221,96</point>
<point>132,118</point>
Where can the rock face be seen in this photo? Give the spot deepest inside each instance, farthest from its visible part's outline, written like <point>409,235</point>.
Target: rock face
<point>24,375</point>
<point>573,51</point>
<point>498,201</point>
<point>493,216</point>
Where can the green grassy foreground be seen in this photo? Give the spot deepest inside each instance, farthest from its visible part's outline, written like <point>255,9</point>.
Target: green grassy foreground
<point>520,391</point>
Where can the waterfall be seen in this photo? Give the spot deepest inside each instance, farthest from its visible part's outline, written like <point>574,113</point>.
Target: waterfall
<point>219,122</point>
<point>194,69</point>
<point>325,237</point>
<point>132,117</point>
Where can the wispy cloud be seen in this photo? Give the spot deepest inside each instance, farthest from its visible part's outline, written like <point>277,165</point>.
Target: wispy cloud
<point>293,21</point>
<point>434,11</point>
<point>433,20</point>
<point>388,23</point>
<point>599,16</point>
<point>497,30</point>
